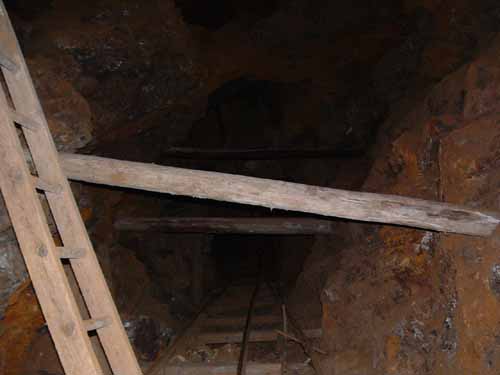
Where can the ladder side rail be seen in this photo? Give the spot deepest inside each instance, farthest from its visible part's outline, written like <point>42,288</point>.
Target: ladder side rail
<point>37,246</point>
<point>71,228</point>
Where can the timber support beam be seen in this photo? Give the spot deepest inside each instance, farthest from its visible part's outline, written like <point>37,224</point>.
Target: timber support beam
<point>227,225</point>
<point>371,207</point>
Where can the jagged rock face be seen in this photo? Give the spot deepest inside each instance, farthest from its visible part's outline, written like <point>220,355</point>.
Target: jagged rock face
<point>403,301</point>
<point>12,269</point>
<point>69,118</point>
<point>68,113</point>
<point>129,78</point>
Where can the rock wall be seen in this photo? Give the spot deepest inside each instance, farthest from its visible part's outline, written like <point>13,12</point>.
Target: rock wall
<point>404,301</point>
<point>127,79</point>
<point>69,119</point>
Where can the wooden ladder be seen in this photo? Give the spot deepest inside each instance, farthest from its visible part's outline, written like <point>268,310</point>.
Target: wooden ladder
<point>19,106</point>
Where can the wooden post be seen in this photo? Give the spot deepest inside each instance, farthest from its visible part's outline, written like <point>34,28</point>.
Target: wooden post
<point>234,225</point>
<point>379,208</point>
<point>283,341</point>
<point>243,360</point>
<point>197,276</point>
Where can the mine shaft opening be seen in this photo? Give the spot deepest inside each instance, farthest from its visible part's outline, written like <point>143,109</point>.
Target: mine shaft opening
<point>243,131</point>
<point>379,117</point>
<point>193,249</point>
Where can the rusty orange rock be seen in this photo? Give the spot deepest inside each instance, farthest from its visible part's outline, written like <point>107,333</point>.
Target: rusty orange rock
<point>22,321</point>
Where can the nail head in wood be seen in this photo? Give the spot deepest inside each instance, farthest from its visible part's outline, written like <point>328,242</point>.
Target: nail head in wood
<point>42,251</point>
<point>68,329</point>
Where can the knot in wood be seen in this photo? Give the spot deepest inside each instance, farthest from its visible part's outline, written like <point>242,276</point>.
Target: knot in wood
<point>68,329</point>
<point>42,251</point>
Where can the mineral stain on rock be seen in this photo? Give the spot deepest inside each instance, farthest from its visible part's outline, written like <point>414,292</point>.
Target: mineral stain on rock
<point>411,86</point>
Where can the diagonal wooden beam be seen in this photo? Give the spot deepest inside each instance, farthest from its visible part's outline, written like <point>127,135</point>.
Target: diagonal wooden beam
<point>221,225</point>
<point>378,208</point>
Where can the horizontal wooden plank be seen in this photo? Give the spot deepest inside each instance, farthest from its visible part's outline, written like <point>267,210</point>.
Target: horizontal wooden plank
<point>231,369</point>
<point>371,207</point>
<point>25,121</point>
<point>70,252</point>
<point>228,225</point>
<point>94,324</point>
<point>45,186</point>
<point>255,336</point>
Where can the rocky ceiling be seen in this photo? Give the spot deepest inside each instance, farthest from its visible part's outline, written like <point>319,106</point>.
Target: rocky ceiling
<point>129,79</point>
<point>140,73</point>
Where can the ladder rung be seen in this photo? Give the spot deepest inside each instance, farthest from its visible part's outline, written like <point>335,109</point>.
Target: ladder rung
<point>93,324</point>
<point>46,186</point>
<point>20,105</point>
<point>24,121</point>
<point>70,252</point>
<point>7,63</point>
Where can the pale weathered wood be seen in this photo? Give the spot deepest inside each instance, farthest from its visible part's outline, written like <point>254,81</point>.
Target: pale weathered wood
<point>24,121</point>
<point>361,206</point>
<point>40,184</point>
<point>255,336</point>
<point>71,229</point>
<point>253,368</point>
<point>37,246</point>
<point>70,252</point>
<point>233,225</point>
<point>7,63</point>
<point>95,324</point>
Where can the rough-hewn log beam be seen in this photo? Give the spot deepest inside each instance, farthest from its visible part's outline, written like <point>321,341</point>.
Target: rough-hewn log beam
<point>371,207</point>
<point>197,276</point>
<point>221,225</point>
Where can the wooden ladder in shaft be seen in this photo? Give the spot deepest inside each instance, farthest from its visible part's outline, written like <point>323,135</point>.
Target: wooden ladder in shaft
<point>20,105</point>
